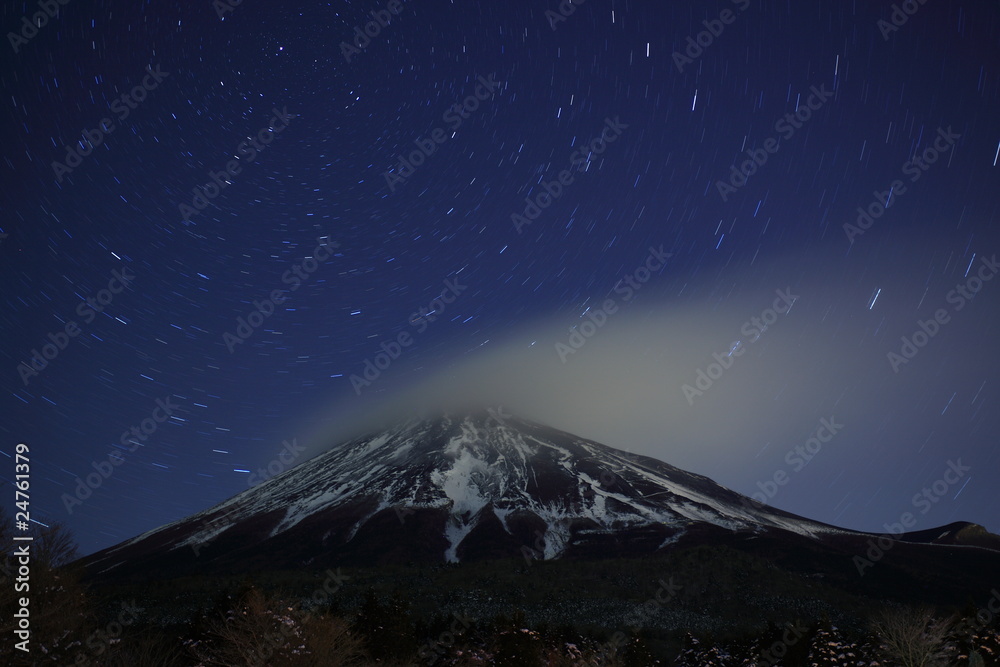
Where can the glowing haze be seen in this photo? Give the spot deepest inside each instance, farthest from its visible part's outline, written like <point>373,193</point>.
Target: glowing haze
<point>774,387</point>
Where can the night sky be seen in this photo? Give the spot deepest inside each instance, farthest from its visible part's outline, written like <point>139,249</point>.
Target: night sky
<point>369,221</point>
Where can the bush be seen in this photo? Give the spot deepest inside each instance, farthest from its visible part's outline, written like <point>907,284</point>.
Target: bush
<point>913,637</point>
<point>261,630</point>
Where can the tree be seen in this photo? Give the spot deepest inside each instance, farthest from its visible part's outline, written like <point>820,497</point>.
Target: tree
<point>44,576</point>
<point>54,546</point>
<point>913,637</point>
<point>258,629</point>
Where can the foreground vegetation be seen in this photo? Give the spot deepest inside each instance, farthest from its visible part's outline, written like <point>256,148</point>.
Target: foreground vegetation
<point>694,606</point>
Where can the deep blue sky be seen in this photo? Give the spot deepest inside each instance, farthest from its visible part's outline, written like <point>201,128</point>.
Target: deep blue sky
<point>450,220</point>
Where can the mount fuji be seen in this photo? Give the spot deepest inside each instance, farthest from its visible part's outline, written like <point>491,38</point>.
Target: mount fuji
<point>468,487</point>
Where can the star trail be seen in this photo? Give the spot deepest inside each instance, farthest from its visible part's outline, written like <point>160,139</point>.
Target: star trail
<point>229,227</point>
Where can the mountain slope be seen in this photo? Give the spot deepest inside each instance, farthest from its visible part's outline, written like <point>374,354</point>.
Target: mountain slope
<point>453,489</point>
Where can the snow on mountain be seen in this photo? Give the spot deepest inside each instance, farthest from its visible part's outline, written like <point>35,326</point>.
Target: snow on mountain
<point>472,482</point>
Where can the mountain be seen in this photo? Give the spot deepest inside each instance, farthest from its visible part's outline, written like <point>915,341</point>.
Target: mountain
<point>469,487</point>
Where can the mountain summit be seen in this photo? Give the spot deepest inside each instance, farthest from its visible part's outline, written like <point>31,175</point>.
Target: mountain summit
<point>456,488</point>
